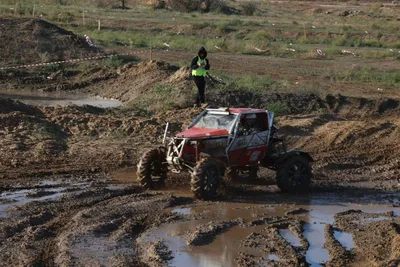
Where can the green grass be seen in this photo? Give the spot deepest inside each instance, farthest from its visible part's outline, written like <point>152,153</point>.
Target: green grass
<point>250,83</point>
<point>278,108</point>
<point>367,75</point>
<point>161,97</point>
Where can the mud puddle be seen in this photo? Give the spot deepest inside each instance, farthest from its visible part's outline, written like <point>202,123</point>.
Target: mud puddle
<point>270,224</point>
<point>21,197</point>
<point>59,98</point>
<point>124,176</point>
<point>290,237</point>
<point>45,190</point>
<point>345,239</point>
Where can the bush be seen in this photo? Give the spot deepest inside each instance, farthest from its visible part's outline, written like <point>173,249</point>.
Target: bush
<point>219,6</point>
<point>249,8</point>
<point>113,62</point>
<point>371,43</point>
<point>279,108</point>
<point>161,4</point>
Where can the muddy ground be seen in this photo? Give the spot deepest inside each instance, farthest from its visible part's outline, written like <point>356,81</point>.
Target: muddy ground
<point>65,201</point>
<point>110,221</point>
<point>69,196</point>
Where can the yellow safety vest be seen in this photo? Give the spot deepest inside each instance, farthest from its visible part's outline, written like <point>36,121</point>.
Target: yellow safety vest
<point>200,71</point>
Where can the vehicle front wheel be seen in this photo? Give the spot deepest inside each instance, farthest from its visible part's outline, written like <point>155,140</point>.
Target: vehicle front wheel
<point>205,179</point>
<point>152,169</point>
<point>294,174</point>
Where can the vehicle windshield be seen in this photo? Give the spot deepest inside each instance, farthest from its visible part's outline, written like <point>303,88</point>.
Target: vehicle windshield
<point>216,121</point>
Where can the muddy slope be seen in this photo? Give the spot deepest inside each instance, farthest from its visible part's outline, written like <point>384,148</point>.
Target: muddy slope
<point>347,146</point>
<point>38,41</point>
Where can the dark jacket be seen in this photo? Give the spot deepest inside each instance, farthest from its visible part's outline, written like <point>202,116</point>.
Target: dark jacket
<point>194,65</point>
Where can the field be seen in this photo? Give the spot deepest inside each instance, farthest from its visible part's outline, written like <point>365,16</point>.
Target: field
<point>68,192</point>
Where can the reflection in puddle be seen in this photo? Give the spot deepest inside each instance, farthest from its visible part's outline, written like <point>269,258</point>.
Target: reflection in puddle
<point>273,257</point>
<point>59,98</point>
<point>315,235</point>
<point>290,237</point>
<point>377,219</point>
<point>21,197</point>
<point>44,190</point>
<point>345,239</point>
<point>184,211</point>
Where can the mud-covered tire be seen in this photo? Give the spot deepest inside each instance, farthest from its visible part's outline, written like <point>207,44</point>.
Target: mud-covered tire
<point>152,169</point>
<point>294,175</point>
<point>205,179</point>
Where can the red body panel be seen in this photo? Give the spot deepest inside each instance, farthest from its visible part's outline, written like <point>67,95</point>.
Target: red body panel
<point>202,133</point>
<point>247,156</point>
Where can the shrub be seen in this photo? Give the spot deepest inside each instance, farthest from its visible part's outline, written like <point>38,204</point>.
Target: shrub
<point>278,108</point>
<point>249,8</point>
<point>220,6</point>
<point>113,62</point>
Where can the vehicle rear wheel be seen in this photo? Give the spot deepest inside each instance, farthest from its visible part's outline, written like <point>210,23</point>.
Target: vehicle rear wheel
<point>294,174</point>
<point>151,169</point>
<point>205,179</point>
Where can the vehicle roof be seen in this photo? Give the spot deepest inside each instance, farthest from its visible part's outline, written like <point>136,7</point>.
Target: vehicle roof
<point>243,110</point>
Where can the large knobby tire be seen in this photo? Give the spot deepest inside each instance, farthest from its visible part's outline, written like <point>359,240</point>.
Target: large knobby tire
<point>294,174</point>
<point>152,169</point>
<point>205,179</point>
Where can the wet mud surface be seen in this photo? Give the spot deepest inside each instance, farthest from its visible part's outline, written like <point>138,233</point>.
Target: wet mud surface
<point>62,204</point>
<point>110,221</point>
<point>59,98</point>
<point>331,229</point>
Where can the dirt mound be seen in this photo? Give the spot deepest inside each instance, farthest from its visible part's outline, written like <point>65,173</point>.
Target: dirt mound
<point>135,80</point>
<point>288,103</point>
<point>37,41</point>
<point>149,85</point>
<point>362,107</point>
<point>8,105</point>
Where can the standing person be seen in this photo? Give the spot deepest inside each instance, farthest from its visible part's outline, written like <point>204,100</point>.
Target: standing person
<point>200,66</point>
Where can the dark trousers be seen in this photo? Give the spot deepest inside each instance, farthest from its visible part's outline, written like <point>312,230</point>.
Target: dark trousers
<point>200,82</point>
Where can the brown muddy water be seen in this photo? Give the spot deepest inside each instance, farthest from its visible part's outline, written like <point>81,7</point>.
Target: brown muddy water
<point>60,99</point>
<point>272,229</point>
<point>44,190</point>
<point>315,211</point>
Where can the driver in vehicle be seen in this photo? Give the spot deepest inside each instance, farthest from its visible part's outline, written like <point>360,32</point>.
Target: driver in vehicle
<point>247,123</point>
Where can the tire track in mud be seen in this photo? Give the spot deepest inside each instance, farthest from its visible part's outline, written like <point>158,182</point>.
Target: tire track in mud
<point>280,234</point>
<point>94,226</point>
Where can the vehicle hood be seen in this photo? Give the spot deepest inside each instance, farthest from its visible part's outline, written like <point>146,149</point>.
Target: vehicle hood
<point>202,133</point>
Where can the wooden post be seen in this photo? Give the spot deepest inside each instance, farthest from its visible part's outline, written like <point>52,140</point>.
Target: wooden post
<point>83,17</point>
<point>151,52</point>
<point>99,26</point>
<point>34,9</point>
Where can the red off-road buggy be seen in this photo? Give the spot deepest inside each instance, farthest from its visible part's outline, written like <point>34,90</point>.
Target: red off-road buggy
<point>224,142</point>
